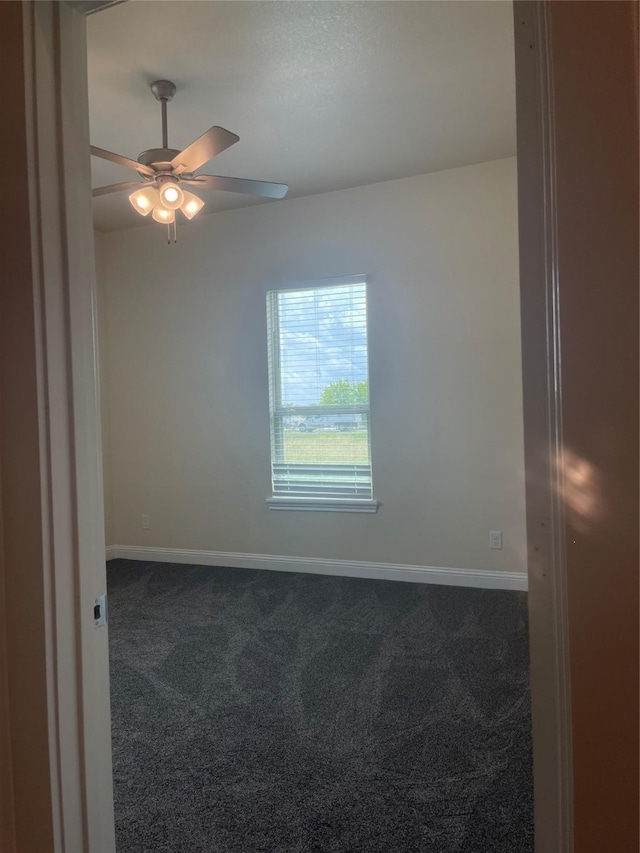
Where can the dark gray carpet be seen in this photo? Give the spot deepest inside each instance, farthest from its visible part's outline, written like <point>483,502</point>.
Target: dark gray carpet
<point>290,713</point>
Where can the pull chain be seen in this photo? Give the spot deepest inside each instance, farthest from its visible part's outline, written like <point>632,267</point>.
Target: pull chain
<point>175,232</point>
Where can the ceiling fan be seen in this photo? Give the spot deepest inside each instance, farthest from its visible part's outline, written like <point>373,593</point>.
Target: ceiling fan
<point>164,170</point>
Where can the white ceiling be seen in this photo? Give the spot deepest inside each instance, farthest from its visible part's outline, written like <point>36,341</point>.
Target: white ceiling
<point>324,95</point>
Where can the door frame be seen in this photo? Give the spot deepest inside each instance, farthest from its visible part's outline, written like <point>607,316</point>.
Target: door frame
<point>543,436</point>
<point>56,721</point>
<point>77,806</point>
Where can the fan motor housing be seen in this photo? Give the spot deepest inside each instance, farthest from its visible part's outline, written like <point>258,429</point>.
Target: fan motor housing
<point>159,158</point>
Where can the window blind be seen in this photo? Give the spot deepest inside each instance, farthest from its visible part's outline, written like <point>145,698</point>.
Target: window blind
<point>319,392</point>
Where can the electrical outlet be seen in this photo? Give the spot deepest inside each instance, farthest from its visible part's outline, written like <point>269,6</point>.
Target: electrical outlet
<point>495,539</point>
<point>146,522</point>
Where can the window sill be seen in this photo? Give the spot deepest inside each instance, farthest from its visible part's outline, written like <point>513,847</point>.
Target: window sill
<point>322,505</point>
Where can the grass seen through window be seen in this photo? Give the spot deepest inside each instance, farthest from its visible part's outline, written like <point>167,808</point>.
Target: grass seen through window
<point>328,447</point>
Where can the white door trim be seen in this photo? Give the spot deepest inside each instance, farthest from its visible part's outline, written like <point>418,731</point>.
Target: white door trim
<point>53,548</point>
<point>542,396</point>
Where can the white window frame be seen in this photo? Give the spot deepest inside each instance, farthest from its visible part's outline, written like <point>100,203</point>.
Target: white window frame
<point>315,503</point>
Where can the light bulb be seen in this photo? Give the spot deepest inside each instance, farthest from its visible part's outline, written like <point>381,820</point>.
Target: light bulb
<point>161,214</point>
<point>171,195</point>
<point>191,205</point>
<point>144,200</point>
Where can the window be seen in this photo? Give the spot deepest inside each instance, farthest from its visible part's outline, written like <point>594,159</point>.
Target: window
<point>319,397</point>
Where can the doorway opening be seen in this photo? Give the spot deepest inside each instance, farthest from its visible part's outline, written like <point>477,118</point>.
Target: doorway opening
<point>332,701</point>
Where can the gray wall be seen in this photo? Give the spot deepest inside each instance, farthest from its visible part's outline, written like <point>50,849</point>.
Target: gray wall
<point>184,357</point>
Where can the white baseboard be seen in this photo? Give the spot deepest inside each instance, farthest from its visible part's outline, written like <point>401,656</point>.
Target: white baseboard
<point>313,565</point>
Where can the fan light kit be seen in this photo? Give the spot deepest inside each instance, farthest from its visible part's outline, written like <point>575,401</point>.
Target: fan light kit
<point>163,170</point>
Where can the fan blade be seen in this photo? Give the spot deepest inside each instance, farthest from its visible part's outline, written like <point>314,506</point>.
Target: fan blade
<point>115,188</point>
<point>212,142</point>
<point>239,185</point>
<point>121,161</point>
